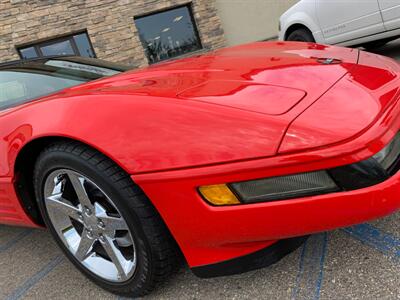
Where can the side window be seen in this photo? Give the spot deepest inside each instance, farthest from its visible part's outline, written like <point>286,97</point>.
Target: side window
<point>75,45</point>
<point>17,86</point>
<point>27,80</point>
<point>11,90</point>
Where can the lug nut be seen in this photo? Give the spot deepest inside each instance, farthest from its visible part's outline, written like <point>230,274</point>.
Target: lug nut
<point>102,238</point>
<point>89,234</point>
<point>88,211</point>
<point>100,223</point>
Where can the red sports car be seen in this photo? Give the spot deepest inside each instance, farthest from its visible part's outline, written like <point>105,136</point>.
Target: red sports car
<point>229,158</point>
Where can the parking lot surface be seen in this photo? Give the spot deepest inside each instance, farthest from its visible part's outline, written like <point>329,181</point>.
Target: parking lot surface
<point>360,262</point>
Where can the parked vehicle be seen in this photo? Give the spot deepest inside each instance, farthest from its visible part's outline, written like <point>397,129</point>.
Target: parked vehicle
<point>370,23</point>
<point>230,158</point>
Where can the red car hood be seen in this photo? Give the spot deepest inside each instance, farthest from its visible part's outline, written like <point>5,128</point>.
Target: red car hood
<point>349,108</point>
<point>239,103</point>
<point>270,80</point>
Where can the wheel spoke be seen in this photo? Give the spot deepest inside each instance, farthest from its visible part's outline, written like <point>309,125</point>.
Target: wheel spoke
<point>60,207</point>
<point>84,247</point>
<point>112,224</point>
<point>115,255</point>
<point>77,182</point>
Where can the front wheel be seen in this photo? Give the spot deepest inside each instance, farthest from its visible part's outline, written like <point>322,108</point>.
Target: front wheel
<point>102,221</point>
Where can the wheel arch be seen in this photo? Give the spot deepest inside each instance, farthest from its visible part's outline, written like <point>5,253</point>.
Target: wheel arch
<point>23,173</point>
<point>24,167</point>
<point>295,27</point>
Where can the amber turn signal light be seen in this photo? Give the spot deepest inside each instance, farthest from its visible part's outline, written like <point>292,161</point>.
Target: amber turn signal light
<point>218,194</point>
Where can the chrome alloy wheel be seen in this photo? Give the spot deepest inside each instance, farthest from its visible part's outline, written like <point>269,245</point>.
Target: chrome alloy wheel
<point>90,225</point>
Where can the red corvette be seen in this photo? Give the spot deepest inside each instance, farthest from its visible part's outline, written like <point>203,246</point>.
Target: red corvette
<point>229,158</point>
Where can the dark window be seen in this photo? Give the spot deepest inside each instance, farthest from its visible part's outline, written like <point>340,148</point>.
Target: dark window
<point>29,52</point>
<point>83,44</point>
<point>76,44</point>
<point>21,82</point>
<point>168,34</point>
<point>58,48</point>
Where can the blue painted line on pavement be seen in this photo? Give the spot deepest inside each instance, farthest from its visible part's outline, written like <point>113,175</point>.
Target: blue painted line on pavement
<point>375,238</point>
<point>15,240</point>
<point>311,267</point>
<point>321,266</point>
<point>19,292</point>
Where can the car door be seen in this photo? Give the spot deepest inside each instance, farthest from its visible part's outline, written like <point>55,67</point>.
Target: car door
<point>345,20</point>
<point>390,10</point>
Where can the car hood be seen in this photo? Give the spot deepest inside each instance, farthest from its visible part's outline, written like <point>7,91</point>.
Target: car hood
<point>349,108</point>
<point>230,105</point>
<point>269,78</point>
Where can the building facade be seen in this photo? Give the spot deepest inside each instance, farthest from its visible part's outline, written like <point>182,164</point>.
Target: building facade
<point>107,29</point>
<point>135,32</point>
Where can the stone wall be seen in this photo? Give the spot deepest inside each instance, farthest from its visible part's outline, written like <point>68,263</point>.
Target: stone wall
<point>109,23</point>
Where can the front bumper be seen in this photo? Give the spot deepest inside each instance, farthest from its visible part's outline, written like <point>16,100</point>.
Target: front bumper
<point>208,234</point>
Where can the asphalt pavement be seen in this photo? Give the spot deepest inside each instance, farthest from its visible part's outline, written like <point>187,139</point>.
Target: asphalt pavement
<point>359,262</point>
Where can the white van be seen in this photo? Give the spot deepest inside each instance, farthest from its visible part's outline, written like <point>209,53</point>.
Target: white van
<point>370,23</point>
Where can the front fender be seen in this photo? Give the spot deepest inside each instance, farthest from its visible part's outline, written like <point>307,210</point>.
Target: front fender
<point>141,133</point>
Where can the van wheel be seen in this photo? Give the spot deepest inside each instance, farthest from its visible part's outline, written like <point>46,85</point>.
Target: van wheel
<point>301,35</point>
<point>374,45</point>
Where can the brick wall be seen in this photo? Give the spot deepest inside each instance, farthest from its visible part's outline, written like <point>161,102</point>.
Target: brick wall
<point>109,23</point>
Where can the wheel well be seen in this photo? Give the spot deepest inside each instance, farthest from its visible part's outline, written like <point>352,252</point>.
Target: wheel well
<point>23,173</point>
<point>294,27</point>
<point>23,170</point>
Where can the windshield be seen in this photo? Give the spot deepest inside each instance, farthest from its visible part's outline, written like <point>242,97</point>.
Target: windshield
<point>24,81</point>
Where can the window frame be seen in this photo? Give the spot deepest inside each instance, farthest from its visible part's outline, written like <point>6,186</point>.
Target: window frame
<point>189,6</point>
<point>67,37</point>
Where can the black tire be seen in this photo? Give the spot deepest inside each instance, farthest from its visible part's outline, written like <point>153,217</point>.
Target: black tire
<point>301,35</point>
<point>157,252</point>
<point>375,45</point>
